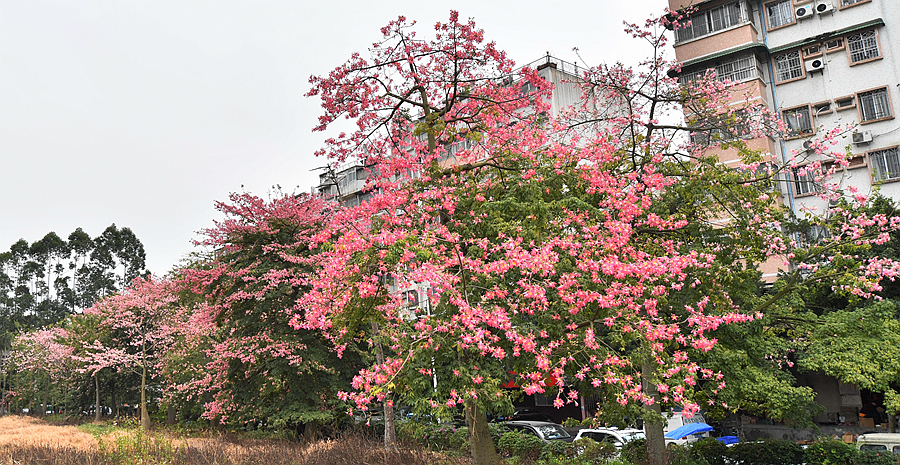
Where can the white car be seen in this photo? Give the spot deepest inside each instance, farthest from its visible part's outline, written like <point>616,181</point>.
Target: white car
<point>545,430</point>
<point>617,437</point>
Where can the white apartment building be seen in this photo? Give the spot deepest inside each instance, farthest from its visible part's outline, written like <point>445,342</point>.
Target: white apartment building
<point>820,64</point>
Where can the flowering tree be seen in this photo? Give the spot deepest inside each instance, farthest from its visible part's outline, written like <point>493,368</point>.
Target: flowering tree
<point>42,350</point>
<point>591,249</point>
<point>142,322</point>
<point>257,368</point>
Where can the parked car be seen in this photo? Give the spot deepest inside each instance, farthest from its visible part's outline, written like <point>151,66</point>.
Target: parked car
<point>545,430</point>
<point>528,414</point>
<point>615,436</point>
<point>889,442</point>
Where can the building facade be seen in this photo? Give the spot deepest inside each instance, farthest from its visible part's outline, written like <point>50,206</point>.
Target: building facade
<point>819,64</point>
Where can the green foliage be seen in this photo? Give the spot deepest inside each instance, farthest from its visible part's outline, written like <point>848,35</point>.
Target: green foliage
<point>557,449</point>
<point>595,452</point>
<point>516,444</point>
<point>680,455</point>
<point>775,452</point>
<point>859,346</point>
<point>139,446</point>
<point>830,452</point>
<point>710,450</point>
<point>635,452</point>
<point>870,457</point>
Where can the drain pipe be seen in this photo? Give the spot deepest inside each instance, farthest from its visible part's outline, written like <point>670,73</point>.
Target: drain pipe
<point>790,187</point>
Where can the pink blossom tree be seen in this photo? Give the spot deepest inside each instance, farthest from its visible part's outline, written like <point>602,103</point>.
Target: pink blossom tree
<point>141,322</point>
<point>256,368</point>
<point>583,249</point>
<point>42,351</point>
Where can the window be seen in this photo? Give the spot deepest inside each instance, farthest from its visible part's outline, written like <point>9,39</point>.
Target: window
<point>736,70</point>
<point>822,108</point>
<point>851,2</point>
<point>863,47</point>
<point>798,121</point>
<point>874,105</point>
<point>805,181</point>
<point>779,14</point>
<point>834,44</point>
<point>788,66</point>
<point>885,164</point>
<point>712,20</point>
<point>845,103</point>
<point>812,50</point>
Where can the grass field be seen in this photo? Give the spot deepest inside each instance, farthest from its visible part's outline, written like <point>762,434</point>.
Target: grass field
<point>27,441</point>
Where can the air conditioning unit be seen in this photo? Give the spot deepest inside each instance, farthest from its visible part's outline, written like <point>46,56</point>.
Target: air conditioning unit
<point>824,7</point>
<point>863,137</point>
<point>815,65</point>
<point>805,11</point>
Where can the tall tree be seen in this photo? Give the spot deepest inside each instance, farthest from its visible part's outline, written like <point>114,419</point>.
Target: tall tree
<point>260,368</point>
<point>599,253</point>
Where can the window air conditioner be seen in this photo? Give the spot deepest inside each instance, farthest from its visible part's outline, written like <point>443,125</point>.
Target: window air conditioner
<point>805,11</point>
<point>824,7</point>
<point>863,137</point>
<point>814,65</point>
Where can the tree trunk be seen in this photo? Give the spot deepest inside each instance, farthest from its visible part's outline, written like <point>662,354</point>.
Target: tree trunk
<point>145,416</point>
<point>390,430</point>
<point>483,450</point>
<point>653,420</point>
<point>310,431</point>
<point>171,415</point>
<point>96,397</point>
<point>46,395</point>
<point>892,423</point>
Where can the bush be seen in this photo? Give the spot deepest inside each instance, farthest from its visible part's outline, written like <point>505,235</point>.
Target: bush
<point>516,444</point>
<point>710,451</point>
<point>681,455</point>
<point>557,449</point>
<point>870,457</point>
<point>830,453</point>
<point>635,452</point>
<point>766,453</point>
<point>595,452</point>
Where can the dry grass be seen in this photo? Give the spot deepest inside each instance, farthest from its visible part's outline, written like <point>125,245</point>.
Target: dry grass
<point>26,441</point>
<point>27,431</point>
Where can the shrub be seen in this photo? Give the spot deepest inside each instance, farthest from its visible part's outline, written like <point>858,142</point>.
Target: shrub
<point>830,452</point>
<point>710,451</point>
<point>557,449</point>
<point>516,444</point>
<point>595,452</point>
<point>870,457</point>
<point>635,452</point>
<point>775,452</point>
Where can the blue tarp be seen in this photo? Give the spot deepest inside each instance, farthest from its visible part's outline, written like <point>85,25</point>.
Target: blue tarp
<point>688,429</point>
<point>728,439</point>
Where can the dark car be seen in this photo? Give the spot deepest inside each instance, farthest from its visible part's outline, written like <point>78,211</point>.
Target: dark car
<point>546,431</point>
<point>527,414</point>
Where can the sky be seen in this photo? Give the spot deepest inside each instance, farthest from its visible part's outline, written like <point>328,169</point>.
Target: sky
<point>145,113</point>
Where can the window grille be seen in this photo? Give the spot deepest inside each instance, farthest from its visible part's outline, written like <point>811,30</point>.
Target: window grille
<point>874,104</point>
<point>798,121</point>
<point>713,20</point>
<point>863,46</point>
<point>779,13</point>
<point>788,66</point>
<point>886,164</point>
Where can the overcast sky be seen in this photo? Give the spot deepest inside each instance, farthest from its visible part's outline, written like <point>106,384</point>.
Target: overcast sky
<point>144,113</point>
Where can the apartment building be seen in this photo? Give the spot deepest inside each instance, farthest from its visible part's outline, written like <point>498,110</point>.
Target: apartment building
<point>347,184</point>
<point>819,64</point>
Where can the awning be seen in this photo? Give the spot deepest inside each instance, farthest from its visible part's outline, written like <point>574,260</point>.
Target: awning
<point>688,429</point>
<point>755,46</point>
<point>828,35</point>
<point>728,440</point>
